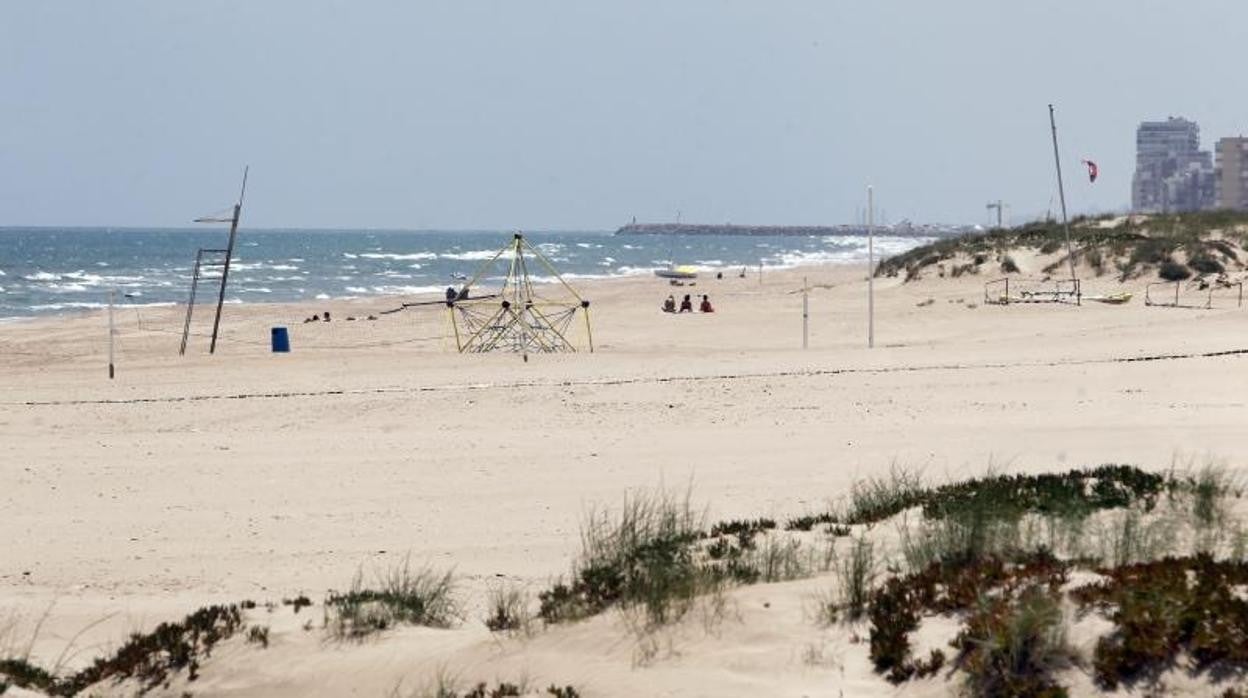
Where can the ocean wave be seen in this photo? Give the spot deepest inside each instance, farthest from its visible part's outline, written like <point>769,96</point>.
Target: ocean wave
<point>391,255</point>
<point>638,271</point>
<point>65,288</point>
<point>475,255</point>
<point>87,305</point>
<point>395,290</point>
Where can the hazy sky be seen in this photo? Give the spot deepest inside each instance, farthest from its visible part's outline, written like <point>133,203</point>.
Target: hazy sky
<point>581,114</point>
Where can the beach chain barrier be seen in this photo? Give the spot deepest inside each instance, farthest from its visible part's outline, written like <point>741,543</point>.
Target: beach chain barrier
<point>608,382</point>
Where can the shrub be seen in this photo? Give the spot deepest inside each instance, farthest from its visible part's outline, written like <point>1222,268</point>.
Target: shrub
<point>641,556</point>
<point>509,609</point>
<point>1171,270</point>
<point>896,607</point>
<point>1008,265</point>
<point>1165,607</point>
<point>403,595</point>
<point>258,635</point>
<point>857,574</point>
<point>1011,647</point>
<point>808,521</point>
<point>1204,264</point>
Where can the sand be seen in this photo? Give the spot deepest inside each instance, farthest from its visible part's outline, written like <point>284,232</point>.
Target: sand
<point>197,479</point>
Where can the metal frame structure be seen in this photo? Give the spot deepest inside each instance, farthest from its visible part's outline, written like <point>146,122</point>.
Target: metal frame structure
<point>1064,291</point>
<point>222,261</point>
<point>1178,287</point>
<point>517,318</point>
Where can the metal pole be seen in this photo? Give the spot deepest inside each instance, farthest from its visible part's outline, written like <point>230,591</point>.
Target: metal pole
<point>870,267</point>
<point>1061,192</point>
<point>805,314</point>
<point>229,255</point>
<point>112,332</point>
<point>190,304</point>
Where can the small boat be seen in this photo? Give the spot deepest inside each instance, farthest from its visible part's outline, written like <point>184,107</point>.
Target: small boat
<point>675,272</point>
<point>1113,298</point>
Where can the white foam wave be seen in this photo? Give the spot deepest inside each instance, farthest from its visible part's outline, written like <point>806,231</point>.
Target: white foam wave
<point>85,305</point>
<point>391,255</point>
<point>475,255</point>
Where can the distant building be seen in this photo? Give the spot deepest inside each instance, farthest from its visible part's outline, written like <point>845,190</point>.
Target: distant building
<point>1172,173</point>
<point>1231,171</point>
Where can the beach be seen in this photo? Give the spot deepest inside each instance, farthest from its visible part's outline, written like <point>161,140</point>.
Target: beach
<point>246,474</point>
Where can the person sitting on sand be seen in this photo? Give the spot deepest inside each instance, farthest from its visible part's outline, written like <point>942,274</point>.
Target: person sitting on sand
<point>326,316</point>
<point>686,305</point>
<point>669,305</point>
<point>706,305</point>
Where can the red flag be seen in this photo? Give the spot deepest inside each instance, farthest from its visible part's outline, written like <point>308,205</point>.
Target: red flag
<point>1093,170</point>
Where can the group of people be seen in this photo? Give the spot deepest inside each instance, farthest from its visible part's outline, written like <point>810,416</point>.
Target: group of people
<point>686,305</point>
<point>324,317</point>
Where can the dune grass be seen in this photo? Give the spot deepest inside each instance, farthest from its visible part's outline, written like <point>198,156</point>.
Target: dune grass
<point>401,595</point>
<point>508,609</point>
<point>1211,242</point>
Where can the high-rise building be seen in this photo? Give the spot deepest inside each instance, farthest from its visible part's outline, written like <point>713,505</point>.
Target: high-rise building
<point>1231,173</point>
<point>1172,173</point>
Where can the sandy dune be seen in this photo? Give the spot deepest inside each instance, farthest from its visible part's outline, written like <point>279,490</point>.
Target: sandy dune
<point>251,475</point>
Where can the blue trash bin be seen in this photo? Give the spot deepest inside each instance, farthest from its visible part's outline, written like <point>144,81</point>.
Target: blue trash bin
<point>281,340</point>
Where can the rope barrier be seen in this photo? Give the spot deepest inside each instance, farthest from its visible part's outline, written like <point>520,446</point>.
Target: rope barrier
<point>607,382</point>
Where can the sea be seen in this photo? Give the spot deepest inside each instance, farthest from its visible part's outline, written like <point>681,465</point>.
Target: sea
<point>66,270</point>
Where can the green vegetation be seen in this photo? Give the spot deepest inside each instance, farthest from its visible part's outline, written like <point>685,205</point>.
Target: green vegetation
<point>147,658</point>
<point>985,550</point>
<point>1012,644</point>
<point>654,555</point>
<point>403,595</point>
<point>1210,242</point>
<point>509,609</point>
<point>1192,605</point>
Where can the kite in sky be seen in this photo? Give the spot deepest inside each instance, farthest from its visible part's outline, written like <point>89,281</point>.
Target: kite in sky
<point>1093,170</point>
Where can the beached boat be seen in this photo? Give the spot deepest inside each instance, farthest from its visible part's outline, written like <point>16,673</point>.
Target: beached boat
<point>1113,298</point>
<point>675,272</point>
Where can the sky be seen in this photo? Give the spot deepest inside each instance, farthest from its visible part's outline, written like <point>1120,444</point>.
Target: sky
<point>583,114</point>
